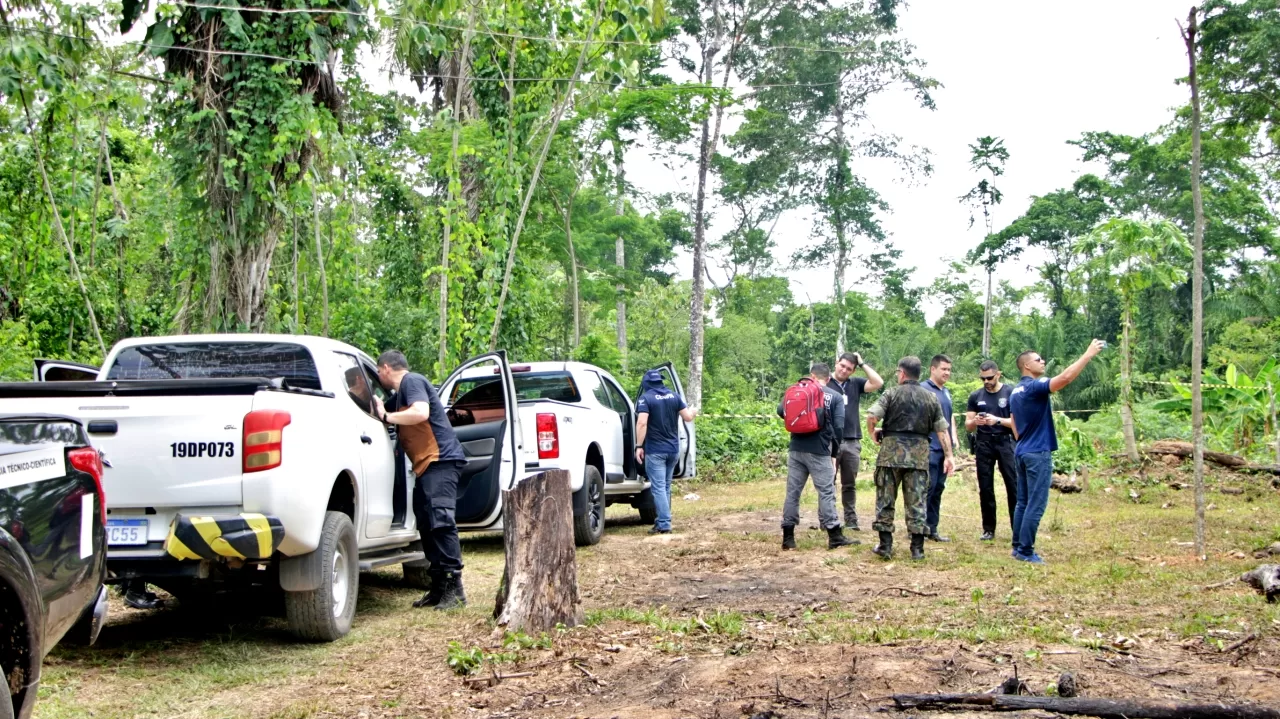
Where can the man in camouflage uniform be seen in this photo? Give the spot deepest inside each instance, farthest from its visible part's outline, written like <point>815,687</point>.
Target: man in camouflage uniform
<point>910,413</point>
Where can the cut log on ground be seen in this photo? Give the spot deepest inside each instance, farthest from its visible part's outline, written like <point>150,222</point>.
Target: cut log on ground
<point>1104,708</point>
<point>1175,448</point>
<point>539,587</point>
<point>1184,449</point>
<point>1266,579</point>
<point>1065,484</point>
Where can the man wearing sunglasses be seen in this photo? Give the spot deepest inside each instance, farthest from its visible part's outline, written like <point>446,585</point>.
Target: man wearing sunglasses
<point>1033,456</point>
<point>987,416</point>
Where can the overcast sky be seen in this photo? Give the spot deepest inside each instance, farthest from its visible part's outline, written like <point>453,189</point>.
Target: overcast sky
<point>1033,73</point>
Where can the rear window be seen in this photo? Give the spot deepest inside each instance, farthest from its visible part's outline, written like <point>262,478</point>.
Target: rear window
<point>218,360</point>
<point>38,431</point>
<point>558,386</point>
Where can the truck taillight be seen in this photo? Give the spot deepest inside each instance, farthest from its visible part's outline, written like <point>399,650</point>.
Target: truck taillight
<point>548,436</point>
<point>263,439</point>
<point>87,460</point>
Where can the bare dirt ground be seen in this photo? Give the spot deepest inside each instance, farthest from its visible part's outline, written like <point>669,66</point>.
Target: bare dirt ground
<point>717,621</point>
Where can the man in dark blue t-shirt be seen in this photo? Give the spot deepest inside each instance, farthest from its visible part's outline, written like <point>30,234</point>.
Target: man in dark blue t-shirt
<point>658,413</point>
<point>939,375</point>
<point>436,459</point>
<point>1033,456</point>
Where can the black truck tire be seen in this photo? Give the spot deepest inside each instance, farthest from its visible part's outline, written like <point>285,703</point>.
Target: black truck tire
<point>324,614</point>
<point>588,527</point>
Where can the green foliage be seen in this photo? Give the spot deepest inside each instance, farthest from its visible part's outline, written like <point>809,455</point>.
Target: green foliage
<point>1237,407</point>
<point>463,659</point>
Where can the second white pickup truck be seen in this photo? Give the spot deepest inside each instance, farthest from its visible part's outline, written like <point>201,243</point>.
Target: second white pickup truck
<point>574,416</point>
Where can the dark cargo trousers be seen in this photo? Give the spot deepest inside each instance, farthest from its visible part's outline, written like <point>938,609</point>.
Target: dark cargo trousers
<point>435,499</point>
<point>915,489</point>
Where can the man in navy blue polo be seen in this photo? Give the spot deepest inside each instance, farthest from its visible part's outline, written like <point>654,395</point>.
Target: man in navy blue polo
<point>1037,439</point>
<point>659,411</point>
<point>939,375</point>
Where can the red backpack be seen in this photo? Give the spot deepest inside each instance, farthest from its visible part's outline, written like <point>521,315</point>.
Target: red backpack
<point>803,407</point>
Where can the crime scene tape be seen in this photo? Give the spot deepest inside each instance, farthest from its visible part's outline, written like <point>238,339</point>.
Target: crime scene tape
<point>717,415</point>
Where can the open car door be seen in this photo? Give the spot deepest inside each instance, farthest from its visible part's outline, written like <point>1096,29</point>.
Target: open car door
<point>480,400</point>
<point>59,371</point>
<point>687,466</point>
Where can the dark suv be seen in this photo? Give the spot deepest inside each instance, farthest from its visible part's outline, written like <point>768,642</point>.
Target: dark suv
<point>52,546</point>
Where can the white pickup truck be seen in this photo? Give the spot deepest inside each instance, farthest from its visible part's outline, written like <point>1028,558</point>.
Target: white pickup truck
<point>255,459</point>
<point>574,416</point>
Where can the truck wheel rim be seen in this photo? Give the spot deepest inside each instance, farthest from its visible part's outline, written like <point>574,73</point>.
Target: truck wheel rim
<point>339,583</point>
<point>597,507</point>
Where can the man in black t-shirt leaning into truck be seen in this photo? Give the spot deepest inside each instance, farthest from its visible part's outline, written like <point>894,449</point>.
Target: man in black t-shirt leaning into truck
<point>988,416</point>
<point>435,458</point>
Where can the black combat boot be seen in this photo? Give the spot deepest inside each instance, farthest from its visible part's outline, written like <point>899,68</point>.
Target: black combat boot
<point>836,539</point>
<point>452,596</point>
<point>933,536</point>
<point>917,546</point>
<point>432,596</point>
<point>885,547</point>
<point>788,537</point>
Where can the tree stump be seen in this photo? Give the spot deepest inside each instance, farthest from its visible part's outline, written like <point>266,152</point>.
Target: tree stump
<point>539,587</point>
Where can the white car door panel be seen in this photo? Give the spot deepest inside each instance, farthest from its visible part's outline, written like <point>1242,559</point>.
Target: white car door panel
<point>372,442</point>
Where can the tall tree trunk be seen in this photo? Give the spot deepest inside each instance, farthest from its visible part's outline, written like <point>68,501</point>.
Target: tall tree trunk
<point>620,248</point>
<point>97,193</point>
<point>463,66</point>
<point>573,263</point>
<point>838,220</point>
<point>297,307</point>
<point>324,281</point>
<point>1126,385</point>
<point>1197,287</point>
<point>986,318</point>
<point>122,308</point>
<point>706,148</point>
<point>537,172</point>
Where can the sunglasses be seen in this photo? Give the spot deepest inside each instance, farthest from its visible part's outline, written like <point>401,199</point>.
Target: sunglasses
<point>986,379</point>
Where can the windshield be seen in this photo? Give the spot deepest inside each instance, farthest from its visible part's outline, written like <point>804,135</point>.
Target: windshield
<point>557,386</point>
<point>218,360</point>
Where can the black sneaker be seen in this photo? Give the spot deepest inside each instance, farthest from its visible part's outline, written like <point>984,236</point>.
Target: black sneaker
<point>655,530</point>
<point>988,536</point>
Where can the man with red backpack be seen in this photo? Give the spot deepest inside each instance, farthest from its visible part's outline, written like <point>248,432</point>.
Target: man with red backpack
<point>814,415</point>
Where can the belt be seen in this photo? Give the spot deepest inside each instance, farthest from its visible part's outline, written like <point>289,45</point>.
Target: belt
<point>896,433</point>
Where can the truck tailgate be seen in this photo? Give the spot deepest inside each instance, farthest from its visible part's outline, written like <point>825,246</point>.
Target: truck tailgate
<point>166,451</point>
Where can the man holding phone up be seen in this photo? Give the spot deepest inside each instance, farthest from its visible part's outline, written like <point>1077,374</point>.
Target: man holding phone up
<point>988,416</point>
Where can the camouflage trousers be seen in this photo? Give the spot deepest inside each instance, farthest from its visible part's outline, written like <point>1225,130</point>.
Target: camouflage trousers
<point>915,490</point>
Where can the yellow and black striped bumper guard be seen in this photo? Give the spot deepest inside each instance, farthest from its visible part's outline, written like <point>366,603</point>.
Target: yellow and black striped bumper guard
<point>239,536</point>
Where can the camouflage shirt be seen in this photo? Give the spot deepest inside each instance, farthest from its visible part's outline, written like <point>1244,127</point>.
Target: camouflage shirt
<point>908,414</point>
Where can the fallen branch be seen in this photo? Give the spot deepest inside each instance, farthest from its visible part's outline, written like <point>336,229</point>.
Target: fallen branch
<point>495,679</point>
<point>1103,708</point>
<point>1237,644</point>
<point>904,590</point>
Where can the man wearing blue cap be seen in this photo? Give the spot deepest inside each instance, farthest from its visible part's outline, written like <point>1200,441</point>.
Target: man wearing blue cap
<point>658,411</point>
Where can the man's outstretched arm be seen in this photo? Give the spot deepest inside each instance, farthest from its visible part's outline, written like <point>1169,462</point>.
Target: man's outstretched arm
<point>1070,374</point>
